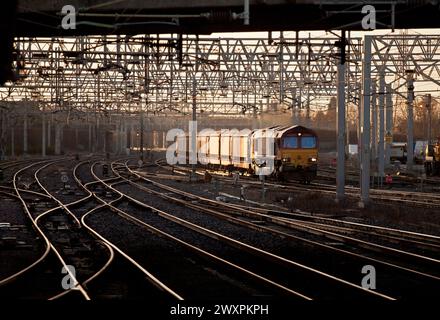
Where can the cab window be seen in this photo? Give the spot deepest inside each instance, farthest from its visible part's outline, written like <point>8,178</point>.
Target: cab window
<point>290,142</point>
<point>308,142</point>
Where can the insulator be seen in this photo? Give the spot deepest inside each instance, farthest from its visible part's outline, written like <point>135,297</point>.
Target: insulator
<point>221,16</point>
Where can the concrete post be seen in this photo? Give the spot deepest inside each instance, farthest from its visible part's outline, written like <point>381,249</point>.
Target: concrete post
<point>116,139</point>
<point>12,141</point>
<point>90,138</point>
<point>131,135</point>
<point>358,127</point>
<point>105,140</point>
<point>381,149</point>
<point>43,133</point>
<point>193,131</point>
<point>124,139</point>
<point>428,102</point>
<point>373,121</point>
<point>365,124</point>
<point>76,136</point>
<point>388,124</point>
<point>57,148</point>
<point>340,126</point>
<point>49,129</point>
<point>121,149</point>
<point>281,68</point>
<point>308,108</point>
<point>2,135</point>
<point>25,133</point>
<point>141,133</point>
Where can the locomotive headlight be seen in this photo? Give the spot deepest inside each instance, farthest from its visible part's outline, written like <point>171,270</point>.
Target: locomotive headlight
<point>312,159</point>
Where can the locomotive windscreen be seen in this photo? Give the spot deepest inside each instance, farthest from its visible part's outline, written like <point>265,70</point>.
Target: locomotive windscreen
<point>308,142</point>
<point>290,142</point>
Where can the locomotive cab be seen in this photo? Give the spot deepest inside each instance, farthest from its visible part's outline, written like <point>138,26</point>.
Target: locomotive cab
<point>297,154</point>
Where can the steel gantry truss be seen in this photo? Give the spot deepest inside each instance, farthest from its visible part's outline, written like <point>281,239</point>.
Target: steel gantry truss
<point>394,55</point>
<point>233,75</point>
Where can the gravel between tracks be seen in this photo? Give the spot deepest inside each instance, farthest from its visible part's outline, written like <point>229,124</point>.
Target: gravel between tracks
<point>344,267</point>
<point>19,245</point>
<point>173,264</point>
<point>399,216</point>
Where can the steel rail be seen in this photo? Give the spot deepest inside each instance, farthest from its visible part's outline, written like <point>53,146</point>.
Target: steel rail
<point>244,246</point>
<point>36,227</point>
<point>293,224</point>
<point>329,189</point>
<point>206,253</point>
<point>259,227</point>
<point>149,275</point>
<point>77,285</point>
<point>305,215</point>
<point>65,207</point>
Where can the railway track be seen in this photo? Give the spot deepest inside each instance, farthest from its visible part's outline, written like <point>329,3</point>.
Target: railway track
<point>413,239</point>
<point>66,243</point>
<point>367,229</point>
<point>18,241</point>
<point>112,280</point>
<point>8,169</point>
<point>185,222</point>
<point>218,278</point>
<point>353,176</point>
<point>385,245</point>
<point>13,163</point>
<point>221,247</point>
<point>418,199</point>
<point>18,283</point>
<point>107,278</point>
<point>89,184</point>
